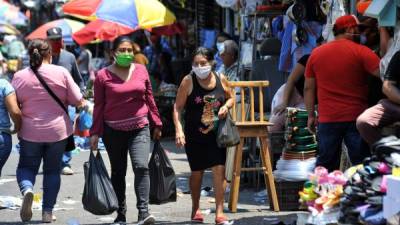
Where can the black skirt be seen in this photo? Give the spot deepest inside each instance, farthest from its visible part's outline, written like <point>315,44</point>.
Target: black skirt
<point>202,156</point>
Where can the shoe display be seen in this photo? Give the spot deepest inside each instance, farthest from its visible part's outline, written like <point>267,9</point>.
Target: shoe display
<point>366,191</point>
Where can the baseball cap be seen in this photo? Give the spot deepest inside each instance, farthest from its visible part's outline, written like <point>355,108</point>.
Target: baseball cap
<point>54,33</point>
<point>346,21</point>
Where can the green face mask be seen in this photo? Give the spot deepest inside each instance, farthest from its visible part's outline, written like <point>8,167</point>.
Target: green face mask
<point>123,59</point>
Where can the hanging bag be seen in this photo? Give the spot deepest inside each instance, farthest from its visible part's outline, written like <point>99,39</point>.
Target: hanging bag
<point>228,134</point>
<point>162,177</point>
<point>98,196</point>
<point>70,140</point>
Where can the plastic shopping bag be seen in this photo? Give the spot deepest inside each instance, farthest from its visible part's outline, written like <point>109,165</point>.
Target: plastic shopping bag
<point>98,197</point>
<point>162,177</point>
<point>85,120</point>
<point>228,134</point>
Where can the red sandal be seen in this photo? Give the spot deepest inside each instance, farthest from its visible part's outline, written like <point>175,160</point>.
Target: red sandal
<point>198,217</point>
<point>222,220</point>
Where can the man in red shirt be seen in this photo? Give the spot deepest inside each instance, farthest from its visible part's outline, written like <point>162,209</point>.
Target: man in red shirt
<point>337,73</point>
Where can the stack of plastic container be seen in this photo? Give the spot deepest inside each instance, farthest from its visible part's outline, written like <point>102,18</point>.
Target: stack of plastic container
<point>298,156</point>
<point>300,143</point>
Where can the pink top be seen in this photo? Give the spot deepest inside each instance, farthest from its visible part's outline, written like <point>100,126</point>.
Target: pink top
<point>118,102</point>
<point>43,120</point>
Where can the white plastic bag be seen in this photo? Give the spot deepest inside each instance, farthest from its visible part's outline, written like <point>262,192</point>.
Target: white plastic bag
<point>247,54</point>
<point>294,170</point>
<point>336,10</point>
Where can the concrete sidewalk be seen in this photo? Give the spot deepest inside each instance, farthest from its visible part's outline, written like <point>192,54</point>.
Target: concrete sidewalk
<point>69,207</point>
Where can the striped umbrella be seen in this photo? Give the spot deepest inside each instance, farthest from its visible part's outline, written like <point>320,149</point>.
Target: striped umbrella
<point>6,28</point>
<point>110,20</point>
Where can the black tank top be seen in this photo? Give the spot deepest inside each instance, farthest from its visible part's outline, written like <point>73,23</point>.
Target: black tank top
<point>201,111</point>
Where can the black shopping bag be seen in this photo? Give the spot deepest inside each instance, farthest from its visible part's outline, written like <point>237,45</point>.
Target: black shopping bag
<point>162,177</point>
<point>228,134</point>
<point>98,197</point>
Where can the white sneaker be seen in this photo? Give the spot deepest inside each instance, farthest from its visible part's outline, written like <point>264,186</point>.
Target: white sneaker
<point>48,217</point>
<point>26,208</point>
<point>67,171</point>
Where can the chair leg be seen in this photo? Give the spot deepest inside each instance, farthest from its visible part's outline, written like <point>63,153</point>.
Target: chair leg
<point>268,175</point>
<point>235,184</point>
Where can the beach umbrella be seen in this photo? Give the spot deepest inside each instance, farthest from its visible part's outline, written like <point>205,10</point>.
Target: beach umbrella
<point>111,19</point>
<point>6,28</point>
<point>67,26</point>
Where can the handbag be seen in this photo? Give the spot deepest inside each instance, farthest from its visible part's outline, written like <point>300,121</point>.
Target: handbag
<point>70,140</point>
<point>228,134</point>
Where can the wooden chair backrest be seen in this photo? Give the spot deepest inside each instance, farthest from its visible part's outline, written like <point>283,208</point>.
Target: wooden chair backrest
<point>251,85</point>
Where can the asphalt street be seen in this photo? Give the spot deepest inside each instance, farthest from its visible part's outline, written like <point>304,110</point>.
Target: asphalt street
<point>69,209</point>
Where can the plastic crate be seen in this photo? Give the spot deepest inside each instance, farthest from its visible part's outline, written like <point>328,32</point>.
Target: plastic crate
<point>288,194</point>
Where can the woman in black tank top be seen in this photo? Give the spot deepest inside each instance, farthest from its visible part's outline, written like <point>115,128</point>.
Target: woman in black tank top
<point>206,97</point>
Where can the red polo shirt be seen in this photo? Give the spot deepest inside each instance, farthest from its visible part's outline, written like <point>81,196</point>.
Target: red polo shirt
<point>340,69</point>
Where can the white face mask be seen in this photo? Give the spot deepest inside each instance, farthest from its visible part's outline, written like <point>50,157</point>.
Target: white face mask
<point>202,72</point>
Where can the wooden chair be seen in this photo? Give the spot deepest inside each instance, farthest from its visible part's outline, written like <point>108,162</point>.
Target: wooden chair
<point>252,128</point>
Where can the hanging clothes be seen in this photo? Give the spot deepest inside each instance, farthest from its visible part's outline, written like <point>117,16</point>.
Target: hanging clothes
<point>335,10</point>
<point>314,31</point>
<point>291,51</point>
<point>285,61</point>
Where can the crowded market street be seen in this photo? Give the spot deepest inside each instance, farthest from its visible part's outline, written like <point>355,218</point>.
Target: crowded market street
<point>252,209</point>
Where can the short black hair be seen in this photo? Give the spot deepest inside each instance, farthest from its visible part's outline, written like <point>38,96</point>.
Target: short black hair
<point>119,40</point>
<point>337,31</point>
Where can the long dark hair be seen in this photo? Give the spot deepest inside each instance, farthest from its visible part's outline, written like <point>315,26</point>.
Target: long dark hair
<point>38,49</point>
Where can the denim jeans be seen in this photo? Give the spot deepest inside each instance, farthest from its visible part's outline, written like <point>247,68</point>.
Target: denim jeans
<point>66,159</point>
<point>330,137</point>
<point>31,155</point>
<point>137,144</point>
<point>5,148</point>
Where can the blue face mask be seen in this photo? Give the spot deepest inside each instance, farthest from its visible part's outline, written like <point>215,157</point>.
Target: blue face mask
<point>220,47</point>
<point>363,39</point>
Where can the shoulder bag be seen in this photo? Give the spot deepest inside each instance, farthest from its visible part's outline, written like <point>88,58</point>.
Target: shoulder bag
<point>70,140</point>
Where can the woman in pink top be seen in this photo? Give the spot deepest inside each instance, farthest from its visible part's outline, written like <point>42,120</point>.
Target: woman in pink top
<point>123,108</point>
<point>45,126</point>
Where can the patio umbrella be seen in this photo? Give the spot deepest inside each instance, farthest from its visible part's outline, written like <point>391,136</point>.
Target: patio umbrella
<point>67,26</point>
<point>11,14</point>
<point>6,28</point>
<point>113,20</point>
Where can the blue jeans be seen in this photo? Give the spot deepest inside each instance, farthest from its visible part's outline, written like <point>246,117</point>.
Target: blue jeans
<point>31,155</point>
<point>330,138</point>
<point>66,159</point>
<point>5,148</point>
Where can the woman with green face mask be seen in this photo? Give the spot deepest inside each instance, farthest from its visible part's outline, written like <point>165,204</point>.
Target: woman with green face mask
<point>124,108</point>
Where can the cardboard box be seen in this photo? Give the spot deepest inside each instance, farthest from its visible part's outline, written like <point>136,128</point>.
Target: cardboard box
<point>391,207</point>
<point>393,187</point>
